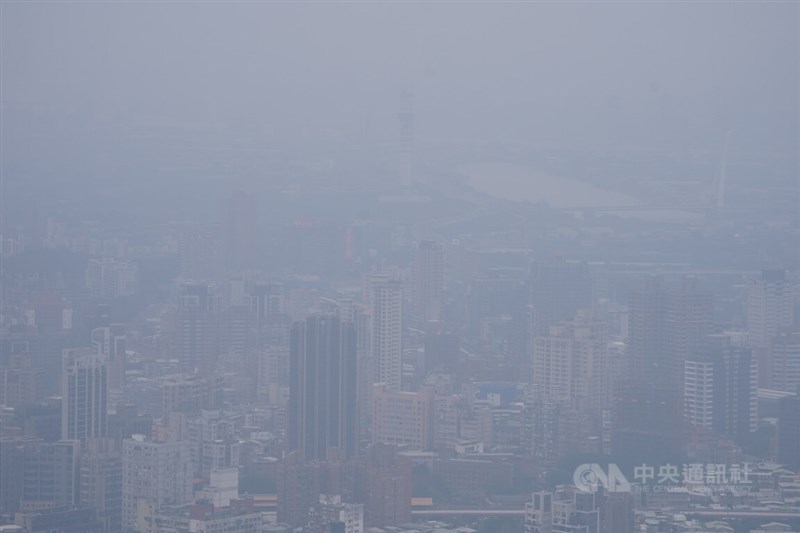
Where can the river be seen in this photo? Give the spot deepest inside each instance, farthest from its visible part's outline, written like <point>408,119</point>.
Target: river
<point>516,182</point>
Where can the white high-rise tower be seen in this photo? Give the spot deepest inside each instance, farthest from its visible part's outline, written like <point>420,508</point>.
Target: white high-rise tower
<point>387,330</point>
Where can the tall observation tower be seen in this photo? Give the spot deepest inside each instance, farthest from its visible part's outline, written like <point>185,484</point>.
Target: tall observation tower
<point>406,119</point>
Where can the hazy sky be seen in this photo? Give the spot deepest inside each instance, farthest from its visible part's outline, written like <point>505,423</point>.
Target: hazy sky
<point>612,73</point>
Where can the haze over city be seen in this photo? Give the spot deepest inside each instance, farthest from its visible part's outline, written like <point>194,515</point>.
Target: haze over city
<point>399,266</point>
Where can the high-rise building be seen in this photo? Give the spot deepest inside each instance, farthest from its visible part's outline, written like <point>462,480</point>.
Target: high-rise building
<point>616,514</point>
<point>555,429</point>
<point>110,341</point>
<point>322,402</point>
<point>41,420</point>
<point>720,388</point>
<point>446,412</point>
<point>299,486</point>
<point>100,482</point>
<point>20,383</point>
<point>668,326</point>
<point>50,475</point>
<point>273,374</point>
<point>586,515</point>
<point>84,391</point>
<point>12,466</point>
<point>40,348</point>
<point>214,443</point>
<point>197,327</point>
<point>360,317</point>
<point>570,363</point>
<point>389,485</point>
<point>402,418</point>
<point>539,513</point>
<point>428,281</point>
<point>646,410</point>
<point>237,319</point>
<point>789,432</point>
<point>736,402</point>
<point>770,311</point>
<point>647,422</point>
<point>770,306</point>
<point>698,393</point>
<point>190,394</point>
<point>270,358</point>
<point>647,344</point>
<point>689,320</point>
<point>387,330</point>
<point>111,278</point>
<point>153,474</point>
<point>272,327</point>
<point>785,361</point>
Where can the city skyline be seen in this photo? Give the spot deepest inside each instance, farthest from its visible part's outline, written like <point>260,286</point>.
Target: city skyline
<point>399,267</point>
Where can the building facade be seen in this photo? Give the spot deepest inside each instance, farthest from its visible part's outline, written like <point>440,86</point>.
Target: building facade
<point>153,474</point>
<point>403,418</point>
<point>387,331</point>
<point>84,391</point>
<point>323,412</point>
<point>428,281</point>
